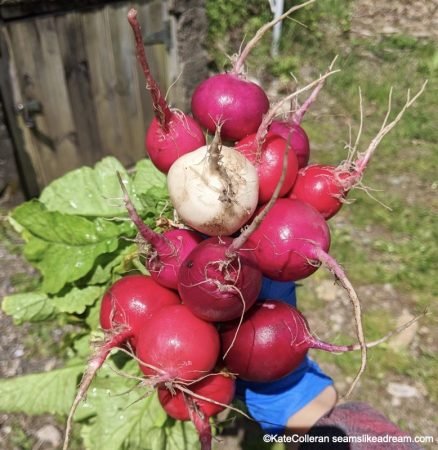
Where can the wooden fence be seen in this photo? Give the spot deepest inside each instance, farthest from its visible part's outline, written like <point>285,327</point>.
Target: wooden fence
<point>72,89</point>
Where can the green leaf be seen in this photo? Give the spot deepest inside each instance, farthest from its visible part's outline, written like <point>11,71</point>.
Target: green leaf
<point>150,186</point>
<point>147,176</point>
<point>38,306</point>
<point>63,247</point>
<point>89,192</point>
<point>113,264</point>
<point>96,192</point>
<point>77,300</point>
<point>28,307</point>
<point>40,393</point>
<point>56,227</point>
<point>93,317</point>
<point>127,419</point>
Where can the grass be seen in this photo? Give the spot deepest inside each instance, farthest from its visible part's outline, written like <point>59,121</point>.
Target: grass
<point>396,246</point>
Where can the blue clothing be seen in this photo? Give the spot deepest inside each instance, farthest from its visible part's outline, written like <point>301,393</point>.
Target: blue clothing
<point>278,290</point>
<point>271,404</point>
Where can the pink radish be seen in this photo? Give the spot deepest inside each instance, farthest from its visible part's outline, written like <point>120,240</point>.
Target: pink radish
<point>125,309</point>
<point>325,187</point>
<point>129,302</point>
<point>169,347</point>
<point>199,402</point>
<point>231,99</point>
<point>286,242</point>
<point>171,133</point>
<point>167,251</point>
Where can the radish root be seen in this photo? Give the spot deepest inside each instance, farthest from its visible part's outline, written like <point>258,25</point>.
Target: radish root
<point>96,361</point>
<point>331,264</point>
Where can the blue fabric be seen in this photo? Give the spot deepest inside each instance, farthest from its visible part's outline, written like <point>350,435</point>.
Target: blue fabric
<point>278,290</point>
<point>271,404</point>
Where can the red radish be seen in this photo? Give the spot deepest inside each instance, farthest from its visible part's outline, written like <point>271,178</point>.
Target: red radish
<point>130,302</point>
<point>325,187</point>
<point>168,250</point>
<point>171,133</point>
<point>215,286</point>
<point>299,139</point>
<point>272,341</point>
<point>169,347</point>
<point>292,126</point>
<point>266,149</point>
<point>286,242</point>
<point>291,243</point>
<point>219,387</point>
<point>269,166</point>
<point>125,309</point>
<point>231,99</point>
<point>213,189</point>
<point>202,400</point>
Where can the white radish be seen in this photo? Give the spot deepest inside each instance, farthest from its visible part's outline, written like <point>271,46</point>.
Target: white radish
<point>214,189</point>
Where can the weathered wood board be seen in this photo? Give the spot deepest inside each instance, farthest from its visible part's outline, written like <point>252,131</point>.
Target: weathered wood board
<point>80,67</point>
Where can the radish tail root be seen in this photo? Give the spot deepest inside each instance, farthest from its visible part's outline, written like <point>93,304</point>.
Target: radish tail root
<point>364,158</point>
<point>215,165</point>
<point>331,264</point>
<point>321,345</point>
<point>201,422</point>
<point>95,363</point>
<point>214,151</point>
<point>297,116</point>
<point>240,320</point>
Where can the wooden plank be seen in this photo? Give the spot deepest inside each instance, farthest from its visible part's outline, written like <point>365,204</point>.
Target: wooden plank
<point>16,10</point>
<point>77,75</point>
<point>52,142</point>
<point>98,48</point>
<point>28,179</point>
<point>63,153</point>
<point>127,81</point>
<point>22,79</point>
<point>153,20</point>
<point>123,106</point>
<point>81,66</point>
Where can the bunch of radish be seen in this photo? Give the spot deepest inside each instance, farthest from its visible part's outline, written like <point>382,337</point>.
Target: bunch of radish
<point>249,207</point>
